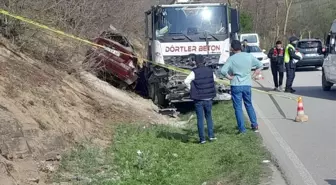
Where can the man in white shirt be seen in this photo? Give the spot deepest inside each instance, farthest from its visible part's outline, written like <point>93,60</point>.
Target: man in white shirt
<point>201,82</point>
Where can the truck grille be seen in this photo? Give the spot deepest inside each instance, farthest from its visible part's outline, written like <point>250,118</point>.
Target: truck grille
<point>186,63</point>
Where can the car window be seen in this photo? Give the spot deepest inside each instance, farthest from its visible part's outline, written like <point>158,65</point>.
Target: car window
<point>254,49</point>
<point>250,38</point>
<point>309,44</point>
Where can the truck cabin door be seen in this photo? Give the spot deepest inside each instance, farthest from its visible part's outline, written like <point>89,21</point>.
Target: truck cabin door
<point>149,24</point>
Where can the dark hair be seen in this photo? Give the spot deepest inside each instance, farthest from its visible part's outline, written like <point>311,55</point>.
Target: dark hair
<point>245,40</point>
<point>199,59</point>
<point>278,42</point>
<point>236,45</point>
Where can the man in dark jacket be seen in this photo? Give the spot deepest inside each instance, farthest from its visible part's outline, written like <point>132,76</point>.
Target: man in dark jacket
<point>201,82</point>
<point>246,47</point>
<point>290,64</point>
<point>276,55</point>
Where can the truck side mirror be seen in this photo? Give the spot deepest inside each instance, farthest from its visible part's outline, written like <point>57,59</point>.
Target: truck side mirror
<point>235,27</point>
<point>148,32</point>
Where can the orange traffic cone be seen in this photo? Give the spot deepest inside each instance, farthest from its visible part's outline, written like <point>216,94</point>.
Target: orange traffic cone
<point>301,117</point>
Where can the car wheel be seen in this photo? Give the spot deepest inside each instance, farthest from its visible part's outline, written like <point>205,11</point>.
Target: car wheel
<point>326,86</point>
<point>266,68</point>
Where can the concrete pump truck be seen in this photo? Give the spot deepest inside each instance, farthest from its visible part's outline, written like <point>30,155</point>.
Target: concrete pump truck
<point>174,31</point>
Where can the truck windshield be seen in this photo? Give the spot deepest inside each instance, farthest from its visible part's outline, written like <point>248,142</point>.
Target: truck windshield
<point>191,20</point>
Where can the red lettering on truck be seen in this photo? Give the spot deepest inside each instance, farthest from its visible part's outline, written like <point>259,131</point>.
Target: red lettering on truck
<point>189,49</point>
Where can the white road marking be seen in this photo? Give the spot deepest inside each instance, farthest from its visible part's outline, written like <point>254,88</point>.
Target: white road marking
<point>304,173</point>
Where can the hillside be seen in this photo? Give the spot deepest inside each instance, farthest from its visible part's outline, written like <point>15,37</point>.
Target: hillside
<point>45,110</point>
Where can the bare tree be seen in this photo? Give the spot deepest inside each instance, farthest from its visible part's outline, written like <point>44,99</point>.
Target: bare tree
<point>276,19</point>
<point>288,5</point>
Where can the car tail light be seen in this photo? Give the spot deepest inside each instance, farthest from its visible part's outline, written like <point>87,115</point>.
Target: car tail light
<point>323,49</point>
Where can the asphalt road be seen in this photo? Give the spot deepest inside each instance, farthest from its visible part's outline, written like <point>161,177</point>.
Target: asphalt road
<point>306,152</point>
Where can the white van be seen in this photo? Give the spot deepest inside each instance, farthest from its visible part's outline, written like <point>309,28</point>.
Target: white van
<point>252,38</point>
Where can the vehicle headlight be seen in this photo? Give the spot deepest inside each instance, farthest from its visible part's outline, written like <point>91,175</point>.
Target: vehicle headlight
<point>265,58</point>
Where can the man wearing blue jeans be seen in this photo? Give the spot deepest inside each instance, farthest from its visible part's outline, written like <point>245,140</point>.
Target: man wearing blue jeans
<point>238,70</point>
<point>201,82</point>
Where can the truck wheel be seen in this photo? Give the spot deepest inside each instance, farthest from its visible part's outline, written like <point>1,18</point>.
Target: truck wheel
<point>151,91</point>
<point>326,86</point>
<point>159,97</point>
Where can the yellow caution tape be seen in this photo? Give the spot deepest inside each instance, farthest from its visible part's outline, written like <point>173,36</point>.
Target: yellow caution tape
<point>173,68</point>
<point>23,19</point>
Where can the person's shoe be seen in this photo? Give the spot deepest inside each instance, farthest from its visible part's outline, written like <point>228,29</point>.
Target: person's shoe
<point>255,129</point>
<point>280,88</point>
<point>290,90</point>
<point>202,142</point>
<point>213,139</point>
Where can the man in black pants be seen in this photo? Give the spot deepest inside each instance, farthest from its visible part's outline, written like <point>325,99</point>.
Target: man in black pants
<point>290,64</point>
<point>276,55</point>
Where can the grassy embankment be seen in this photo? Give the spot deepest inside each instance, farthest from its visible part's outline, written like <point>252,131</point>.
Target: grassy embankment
<point>160,155</point>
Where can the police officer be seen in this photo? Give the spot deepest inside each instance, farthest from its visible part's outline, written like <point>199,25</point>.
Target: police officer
<point>276,54</point>
<point>290,64</point>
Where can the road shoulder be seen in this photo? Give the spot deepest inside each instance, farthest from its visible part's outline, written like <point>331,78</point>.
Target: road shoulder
<point>288,162</point>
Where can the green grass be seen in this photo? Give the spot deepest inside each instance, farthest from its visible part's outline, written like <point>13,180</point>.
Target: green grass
<point>163,155</point>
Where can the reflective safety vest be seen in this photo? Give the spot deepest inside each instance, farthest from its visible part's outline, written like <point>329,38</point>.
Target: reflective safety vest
<point>287,57</point>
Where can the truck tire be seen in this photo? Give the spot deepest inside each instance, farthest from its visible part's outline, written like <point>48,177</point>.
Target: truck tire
<point>326,86</point>
<point>159,97</point>
<point>151,91</point>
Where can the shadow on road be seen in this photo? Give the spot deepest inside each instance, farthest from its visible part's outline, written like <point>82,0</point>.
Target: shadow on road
<point>308,91</point>
<point>331,181</point>
<point>308,69</point>
<point>316,92</point>
<point>267,89</point>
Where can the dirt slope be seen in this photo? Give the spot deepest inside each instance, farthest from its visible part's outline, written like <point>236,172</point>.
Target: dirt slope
<point>43,111</point>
